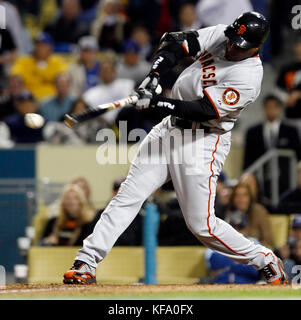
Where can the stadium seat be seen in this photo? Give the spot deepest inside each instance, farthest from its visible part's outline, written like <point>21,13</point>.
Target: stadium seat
<point>280,228</point>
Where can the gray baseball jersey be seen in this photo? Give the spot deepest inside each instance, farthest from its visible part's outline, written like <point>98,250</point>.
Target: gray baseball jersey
<point>229,85</point>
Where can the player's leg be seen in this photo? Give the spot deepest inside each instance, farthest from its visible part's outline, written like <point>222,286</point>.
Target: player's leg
<point>147,173</point>
<point>196,195</point>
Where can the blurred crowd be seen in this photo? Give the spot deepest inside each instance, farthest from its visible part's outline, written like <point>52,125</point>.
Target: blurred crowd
<point>65,56</point>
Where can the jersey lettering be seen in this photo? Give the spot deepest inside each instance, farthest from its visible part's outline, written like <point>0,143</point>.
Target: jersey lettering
<point>207,66</point>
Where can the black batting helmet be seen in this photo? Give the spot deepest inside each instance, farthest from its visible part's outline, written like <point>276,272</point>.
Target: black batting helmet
<point>249,30</point>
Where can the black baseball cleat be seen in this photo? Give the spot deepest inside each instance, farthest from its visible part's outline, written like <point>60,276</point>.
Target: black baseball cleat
<point>274,273</point>
<point>80,273</point>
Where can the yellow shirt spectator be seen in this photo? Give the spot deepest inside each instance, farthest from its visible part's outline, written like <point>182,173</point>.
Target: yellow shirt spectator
<point>40,69</point>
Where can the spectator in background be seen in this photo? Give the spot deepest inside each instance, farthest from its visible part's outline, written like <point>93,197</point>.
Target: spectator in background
<point>142,37</point>
<point>85,72</point>
<point>109,27</point>
<point>51,211</point>
<point>109,89</point>
<point>74,215</point>
<point>187,18</point>
<point>9,93</point>
<point>296,227</point>
<point>258,224</point>
<point>251,180</point>
<point>146,12</point>
<point>132,66</point>
<point>19,132</point>
<point>40,69</point>
<point>133,234</point>
<point>213,12</point>
<point>8,52</point>
<point>16,28</point>
<point>290,201</point>
<point>272,133</point>
<point>224,270</point>
<point>290,252</point>
<point>54,108</point>
<point>67,28</point>
<point>173,230</point>
<point>87,131</point>
<point>289,86</point>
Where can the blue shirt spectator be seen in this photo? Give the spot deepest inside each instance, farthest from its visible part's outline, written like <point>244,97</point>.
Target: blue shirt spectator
<point>19,132</point>
<point>55,108</point>
<point>224,270</point>
<point>228,271</point>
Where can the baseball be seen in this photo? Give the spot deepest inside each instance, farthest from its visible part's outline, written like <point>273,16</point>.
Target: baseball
<point>34,120</point>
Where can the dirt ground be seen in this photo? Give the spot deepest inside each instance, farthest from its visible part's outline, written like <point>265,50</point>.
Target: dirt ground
<point>25,291</point>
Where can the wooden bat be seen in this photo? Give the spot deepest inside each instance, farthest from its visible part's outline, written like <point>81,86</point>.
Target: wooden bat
<point>71,120</point>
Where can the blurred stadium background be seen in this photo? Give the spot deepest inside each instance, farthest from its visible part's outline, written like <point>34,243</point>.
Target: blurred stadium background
<point>58,56</point>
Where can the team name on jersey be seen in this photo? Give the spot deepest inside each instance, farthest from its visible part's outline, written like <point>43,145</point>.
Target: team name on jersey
<point>208,68</point>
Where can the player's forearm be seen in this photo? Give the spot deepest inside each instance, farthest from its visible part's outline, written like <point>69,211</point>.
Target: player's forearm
<point>173,47</point>
<point>197,110</point>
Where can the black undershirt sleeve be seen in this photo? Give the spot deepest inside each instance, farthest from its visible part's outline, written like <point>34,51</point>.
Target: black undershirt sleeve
<point>171,52</point>
<point>196,110</point>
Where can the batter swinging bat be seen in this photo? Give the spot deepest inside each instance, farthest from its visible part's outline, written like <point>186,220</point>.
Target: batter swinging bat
<point>71,120</point>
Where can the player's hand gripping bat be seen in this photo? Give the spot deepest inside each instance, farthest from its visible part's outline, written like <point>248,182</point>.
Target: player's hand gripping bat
<point>71,120</point>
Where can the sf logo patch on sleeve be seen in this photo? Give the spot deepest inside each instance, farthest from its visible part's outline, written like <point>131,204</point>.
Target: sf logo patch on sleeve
<point>231,96</point>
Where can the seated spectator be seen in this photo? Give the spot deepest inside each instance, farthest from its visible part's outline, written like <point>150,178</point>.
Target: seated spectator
<point>142,37</point>
<point>109,27</point>
<point>133,234</point>
<point>19,132</point>
<point>40,69</point>
<point>272,133</point>
<point>84,73</point>
<point>67,28</point>
<point>224,270</point>
<point>109,89</point>
<point>187,18</point>
<point>173,230</point>
<point>290,201</point>
<point>251,180</point>
<point>87,131</point>
<point>289,86</point>
<point>211,13</point>
<point>9,92</point>
<point>15,27</point>
<point>258,224</point>
<point>290,253</point>
<point>131,65</point>
<point>52,209</point>
<point>8,52</point>
<point>296,227</point>
<point>56,107</point>
<point>74,215</point>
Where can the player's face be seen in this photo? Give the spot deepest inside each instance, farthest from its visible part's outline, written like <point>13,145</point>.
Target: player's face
<point>72,204</point>
<point>242,199</point>
<point>235,53</point>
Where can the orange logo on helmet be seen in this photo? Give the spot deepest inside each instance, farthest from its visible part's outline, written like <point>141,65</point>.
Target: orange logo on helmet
<point>241,29</point>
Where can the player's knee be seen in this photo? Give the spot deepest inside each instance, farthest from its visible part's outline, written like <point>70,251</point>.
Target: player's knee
<point>198,228</point>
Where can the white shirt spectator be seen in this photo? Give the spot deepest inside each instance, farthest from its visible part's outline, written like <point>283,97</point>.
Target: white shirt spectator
<point>213,12</point>
<point>104,93</point>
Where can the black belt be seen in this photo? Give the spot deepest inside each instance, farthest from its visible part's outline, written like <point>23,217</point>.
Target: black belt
<point>187,124</point>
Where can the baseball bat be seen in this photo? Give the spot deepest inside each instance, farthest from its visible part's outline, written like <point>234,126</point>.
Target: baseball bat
<point>71,120</point>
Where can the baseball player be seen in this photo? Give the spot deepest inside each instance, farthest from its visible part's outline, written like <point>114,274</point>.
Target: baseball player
<point>210,94</point>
